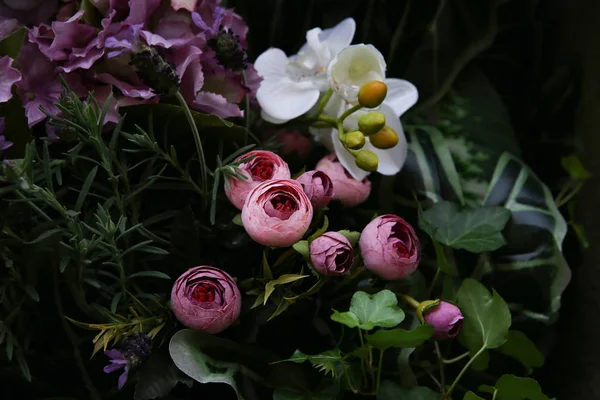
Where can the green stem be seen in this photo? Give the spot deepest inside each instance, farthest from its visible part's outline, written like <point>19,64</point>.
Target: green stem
<point>570,195</point>
<point>462,372</point>
<point>362,358</point>
<point>196,135</point>
<point>414,303</point>
<point>352,388</point>
<point>455,359</point>
<point>433,281</point>
<point>324,102</point>
<point>563,192</point>
<point>330,120</point>
<point>441,364</point>
<point>495,393</point>
<point>349,111</point>
<point>379,367</point>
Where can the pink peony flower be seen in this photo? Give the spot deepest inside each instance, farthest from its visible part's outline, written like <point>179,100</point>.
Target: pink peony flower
<point>206,299</point>
<point>263,165</point>
<point>331,254</point>
<point>446,319</point>
<point>389,247</point>
<point>348,190</point>
<point>318,187</point>
<point>277,213</point>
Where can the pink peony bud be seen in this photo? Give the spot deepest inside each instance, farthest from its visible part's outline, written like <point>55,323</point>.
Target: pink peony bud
<point>446,318</point>
<point>265,165</point>
<point>389,247</point>
<point>347,189</point>
<point>292,141</point>
<point>206,299</point>
<point>277,213</point>
<point>331,254</point>
<point>318,187</point>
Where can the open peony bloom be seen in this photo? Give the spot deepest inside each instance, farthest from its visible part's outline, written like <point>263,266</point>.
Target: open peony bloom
<point>206,299</point>
<point>353,67</point>
<point>292,86</point>
<point>318,187</point>
<point>401,96</point>
<point>389,247</point>
<point>263,165</point>
<point>277,213</point>
<point>347,190</point>
<point>446,319</point>
<point>331,254</point>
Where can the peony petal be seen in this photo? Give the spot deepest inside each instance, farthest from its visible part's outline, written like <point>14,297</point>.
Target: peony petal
<point>401,95</point>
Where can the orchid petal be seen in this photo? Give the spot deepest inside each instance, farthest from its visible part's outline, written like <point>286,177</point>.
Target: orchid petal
<point>340,36</point>
<point>286,100</point>
<point>272,64</point>
<point>271,119</point>
<point>401,95</point>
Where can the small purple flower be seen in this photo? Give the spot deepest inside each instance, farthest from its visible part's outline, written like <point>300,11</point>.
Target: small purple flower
<point>210,28</point>
<point>8,77</point>
<point>446,319</point>
<point>134,351</point>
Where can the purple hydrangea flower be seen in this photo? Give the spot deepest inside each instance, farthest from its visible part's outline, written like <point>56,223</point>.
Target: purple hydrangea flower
<point>8,77</point>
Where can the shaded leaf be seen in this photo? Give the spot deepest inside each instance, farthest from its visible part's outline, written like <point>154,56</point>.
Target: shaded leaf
<point>149,274</point>
<point>158,377</point>
<point>572,164</point>
<point>472,396</point>
<point>384,339</point>
<point>392,391</point>
<point>352,236</point>
<point>510,387</point>
<point>282,280</point>
<point>302,247</point>
<point>371,310</point>
<point>326,362</point>
<point>520,347</point>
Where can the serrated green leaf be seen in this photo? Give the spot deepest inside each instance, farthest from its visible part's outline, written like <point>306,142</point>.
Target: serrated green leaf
<point>392,391</point>
<point>282,280</point>
<point>510,387</point>
<point>400,338</point>
<point>520,347</point>
<point>474,229</point>
<point>326,362</point>
<point>487,317</point>
<point>352,236</point>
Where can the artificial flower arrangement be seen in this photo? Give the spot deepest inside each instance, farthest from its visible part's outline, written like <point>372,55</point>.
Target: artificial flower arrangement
<point>198,255</point>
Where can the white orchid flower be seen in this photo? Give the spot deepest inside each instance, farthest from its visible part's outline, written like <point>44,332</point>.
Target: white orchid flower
<point>352,68</point>
<point>401,96</point>
<point>292,86</point>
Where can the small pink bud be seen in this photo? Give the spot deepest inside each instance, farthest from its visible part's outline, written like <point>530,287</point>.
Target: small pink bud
<point>277,213</point>
<point>446,319</point>
<point>292,141</point>
<point>206,299</point>
<point>389,247</point>
<point>347,190</point>
<point>263,166</point>
<point>331,254</point>
<point>317,186</point>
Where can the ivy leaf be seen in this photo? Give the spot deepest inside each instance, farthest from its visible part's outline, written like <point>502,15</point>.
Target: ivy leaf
<point>302,248</point>
<point>282,280</point>
<point>383,340</point>
<point>326,362</point>
<point>371,310</point>
<point>197,365</point>
<point>472,396</point>
<point>351,236</point>
<point>510,387</point>
<point>347,318</point>
<point>392,391</point>
<point>520,347</point>
<point>477,230</point>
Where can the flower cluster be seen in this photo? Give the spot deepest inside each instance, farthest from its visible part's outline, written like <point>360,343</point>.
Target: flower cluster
<point>137,50</point>
<point>345,87</point>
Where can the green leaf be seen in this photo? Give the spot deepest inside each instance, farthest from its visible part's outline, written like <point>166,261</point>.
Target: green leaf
<point>487,389</point>
<point>487,317</point>
<point>572,164</point>
<point>85,188</point>
<point>392,391</point>
<point>158,376</point>
<point>238,220</point>
<point>511,387</point>
<point>23,365</point>
<point>472,396</point>
<point>326,362</point>
<point>384,339</point>
<point>352,236</point>
<point>371,310</point>
<point>476,230</point>
<point>11,44</point>
<point>282,280</point>
<point>520,347</point>
<point>347,318</point>
<point>45,235</point>
<point>197,365</point>
<point>302,247</point>
<point>321,230</point>
<point>149,274</point>
<point>31,292</point>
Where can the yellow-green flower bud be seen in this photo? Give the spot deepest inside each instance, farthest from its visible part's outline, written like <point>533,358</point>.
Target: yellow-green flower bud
<point>372,94</point>
<point>386,138</point>
<point>354,140</point>
<point>371,123</point>
<point>366,160</point>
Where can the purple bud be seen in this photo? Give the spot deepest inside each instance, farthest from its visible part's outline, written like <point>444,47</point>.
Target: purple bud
<point>446,319</point>
<point>331,254</point>
<point>317,186</point>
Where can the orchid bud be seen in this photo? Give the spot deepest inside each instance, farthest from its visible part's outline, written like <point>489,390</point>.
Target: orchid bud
<point>446,319</point>
<point>354,140</point>
<point>385,139</point>
<point>371,123</point>
<point>367,160</point>
<point>372,94</point>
